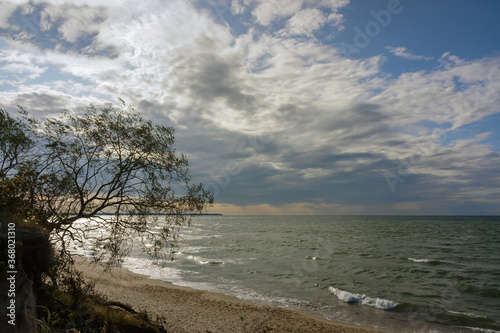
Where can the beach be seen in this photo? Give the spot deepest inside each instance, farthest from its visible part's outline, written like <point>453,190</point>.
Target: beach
<point>184,309</point>
<point>368,271</point>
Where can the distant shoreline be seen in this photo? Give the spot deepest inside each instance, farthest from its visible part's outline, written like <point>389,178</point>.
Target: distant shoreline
<point>165,214</point>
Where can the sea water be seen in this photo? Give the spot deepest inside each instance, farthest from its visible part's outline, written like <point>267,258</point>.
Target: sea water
<point>408,273</point>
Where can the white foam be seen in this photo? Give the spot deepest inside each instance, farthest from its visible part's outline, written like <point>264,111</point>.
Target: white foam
<point>419,260</point>
<point>345,295</point>
<point>482,330</point>
<point>205,261</point>
<point>467,314</point>
<point>146,267</point>
<point>363,299</point>
<point>249,294</point>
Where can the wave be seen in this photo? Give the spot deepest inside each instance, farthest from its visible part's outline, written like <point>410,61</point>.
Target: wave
<point>419,260</point>
<point>467,314</point>
<point>314,258</point>
<point>205,261</point>
<point>427,261</point>
<point>484,291</point>
<point>363,299</point>
<point>146,267</point>
<point>470,320</point>
<point>482,330</point>
<point>443,316</point>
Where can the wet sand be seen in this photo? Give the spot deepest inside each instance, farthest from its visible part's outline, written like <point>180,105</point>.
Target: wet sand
<point>183,309</point>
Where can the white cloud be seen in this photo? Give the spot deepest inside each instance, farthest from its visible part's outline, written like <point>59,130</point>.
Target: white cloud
<point>305,22</point>
<point>240,6</point>
<point>328,116</point>
<point>78,21</point>
<point>20,65</point>
<point>301,11</point>
<point>457,95</point>
<point>6,10</point>
<point>335,20</point>
<point>448,60</point>
<point>332,4</point>
<point>267,11</point>
<point>404,53</point>
<point>58,26</point>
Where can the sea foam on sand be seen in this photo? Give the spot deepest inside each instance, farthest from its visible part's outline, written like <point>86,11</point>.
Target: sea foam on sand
<point>191,310</point>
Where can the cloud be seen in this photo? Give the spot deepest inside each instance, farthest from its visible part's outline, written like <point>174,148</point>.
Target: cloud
<point>299,208</point>
<point>457,95</point>
<point>19,67</point>
<point>63,27</point>
<point>240,6</point>
<point>78,21</point>
<point>6,11</point>
<point>308,129</point>
<point>304,16</point>
<point>331,4</point>
<point>267,11</point>
<point>305,22</point>
<point>404,53</point>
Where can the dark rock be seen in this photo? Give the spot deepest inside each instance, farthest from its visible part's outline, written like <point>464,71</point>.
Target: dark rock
<point>24,316</point>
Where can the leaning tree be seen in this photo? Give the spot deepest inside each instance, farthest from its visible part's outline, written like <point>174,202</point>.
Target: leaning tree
<point>107,177</point>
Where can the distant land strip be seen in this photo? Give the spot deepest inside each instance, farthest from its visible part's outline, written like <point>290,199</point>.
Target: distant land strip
<point>161,214</point>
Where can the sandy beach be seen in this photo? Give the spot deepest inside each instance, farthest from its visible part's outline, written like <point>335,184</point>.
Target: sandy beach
<point>185,309</point>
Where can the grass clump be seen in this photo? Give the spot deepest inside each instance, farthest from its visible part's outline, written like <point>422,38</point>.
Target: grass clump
<point>94,314</point>
<point>67,303</point>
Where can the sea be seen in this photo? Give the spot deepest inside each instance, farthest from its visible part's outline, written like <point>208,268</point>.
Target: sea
<point>406,273</point>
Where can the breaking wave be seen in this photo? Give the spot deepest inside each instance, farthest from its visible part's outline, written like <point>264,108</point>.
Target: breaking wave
<point>363,299</point>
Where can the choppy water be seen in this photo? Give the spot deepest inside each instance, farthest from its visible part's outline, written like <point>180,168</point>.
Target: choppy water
<point>412,274</point>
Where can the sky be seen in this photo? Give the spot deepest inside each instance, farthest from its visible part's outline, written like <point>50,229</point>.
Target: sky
<point>284,107</point>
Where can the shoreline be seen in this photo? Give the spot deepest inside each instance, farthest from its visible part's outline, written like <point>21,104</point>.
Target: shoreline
<point>184,309</point>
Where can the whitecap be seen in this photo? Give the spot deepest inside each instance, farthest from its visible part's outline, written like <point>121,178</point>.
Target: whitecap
<point>363,299</point>
<point>467,314</point>
<point>205,261</point>
<point>345,295</point>
<point>419,260</point>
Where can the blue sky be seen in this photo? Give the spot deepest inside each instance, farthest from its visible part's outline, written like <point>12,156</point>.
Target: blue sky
<point>284,107</point>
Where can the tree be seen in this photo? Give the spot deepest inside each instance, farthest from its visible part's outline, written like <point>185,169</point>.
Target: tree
<point>16,177</point>
<point>15,142</point>
<point>115,171</point>
<point>106,176</point>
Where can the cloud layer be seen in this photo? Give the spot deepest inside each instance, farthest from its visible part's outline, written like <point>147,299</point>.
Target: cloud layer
<point>274,119</point>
